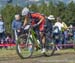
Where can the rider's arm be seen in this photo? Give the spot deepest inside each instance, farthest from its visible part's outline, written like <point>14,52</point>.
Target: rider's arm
<point>40,20</point>
<point>39,16</point>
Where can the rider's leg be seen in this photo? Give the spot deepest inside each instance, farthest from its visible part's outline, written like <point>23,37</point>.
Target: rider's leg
<point>43,41</point>
<point>42,35</point>
<point>38,40</point>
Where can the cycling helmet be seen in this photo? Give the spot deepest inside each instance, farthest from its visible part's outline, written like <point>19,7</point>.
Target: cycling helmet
<point>25,11</point>
<point>51,17</point>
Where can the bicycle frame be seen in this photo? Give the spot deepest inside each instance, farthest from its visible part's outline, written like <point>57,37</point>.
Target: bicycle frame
<point>33,38</point>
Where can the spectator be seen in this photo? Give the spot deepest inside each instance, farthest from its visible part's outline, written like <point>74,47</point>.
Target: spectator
<point>49,24</point>
<point>9,39</point>
<point>59,25</point>
<point>71,32</point>
<point>64,32</point>
<point>49,27</point>
<point>2,30</point>
<point>74,33</point>
<point>16,25</point>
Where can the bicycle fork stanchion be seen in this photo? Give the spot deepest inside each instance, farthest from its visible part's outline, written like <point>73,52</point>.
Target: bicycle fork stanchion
<point>30,42</point>
<point>34,39</point>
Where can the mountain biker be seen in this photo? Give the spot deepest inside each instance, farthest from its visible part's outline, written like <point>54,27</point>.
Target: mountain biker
<point>37,21</point>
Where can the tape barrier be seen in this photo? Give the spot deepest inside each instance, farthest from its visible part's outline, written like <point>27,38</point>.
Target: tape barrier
<point>29,45</point>
<point>66,45</point>
<point>7,44</point>
<point>21,45</point>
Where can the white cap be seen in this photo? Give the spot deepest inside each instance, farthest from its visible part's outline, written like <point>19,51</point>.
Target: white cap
<point>51,17</point>
<point>25,11</point>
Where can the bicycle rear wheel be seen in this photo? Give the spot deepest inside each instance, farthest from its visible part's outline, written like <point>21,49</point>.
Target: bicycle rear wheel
<point>50,49</point>
<point>24,46</point>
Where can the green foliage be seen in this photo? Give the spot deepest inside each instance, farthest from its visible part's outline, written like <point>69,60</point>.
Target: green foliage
<point>65,11</point>
<point>8,15</point>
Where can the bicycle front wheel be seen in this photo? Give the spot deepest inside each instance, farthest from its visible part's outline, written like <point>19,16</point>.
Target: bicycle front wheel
<point>24,46</point>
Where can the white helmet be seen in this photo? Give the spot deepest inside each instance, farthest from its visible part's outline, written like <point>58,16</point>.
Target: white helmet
<point>25,11</point>
<point>51,17</point>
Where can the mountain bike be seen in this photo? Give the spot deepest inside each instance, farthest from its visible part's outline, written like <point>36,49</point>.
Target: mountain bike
<point>26,43</point>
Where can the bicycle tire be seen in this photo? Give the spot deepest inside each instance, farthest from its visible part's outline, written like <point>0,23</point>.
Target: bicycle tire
<point>51,50</point>
<point>25,52</point>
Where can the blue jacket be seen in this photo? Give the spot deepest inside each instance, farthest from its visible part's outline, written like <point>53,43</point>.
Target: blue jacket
<point>16,24</point>
<point>2,28</point>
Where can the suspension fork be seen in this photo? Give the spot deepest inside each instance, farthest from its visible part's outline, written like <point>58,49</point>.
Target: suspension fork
<point>34,38</point>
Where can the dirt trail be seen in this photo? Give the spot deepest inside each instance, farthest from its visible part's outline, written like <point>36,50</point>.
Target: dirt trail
<point>64,56</point>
